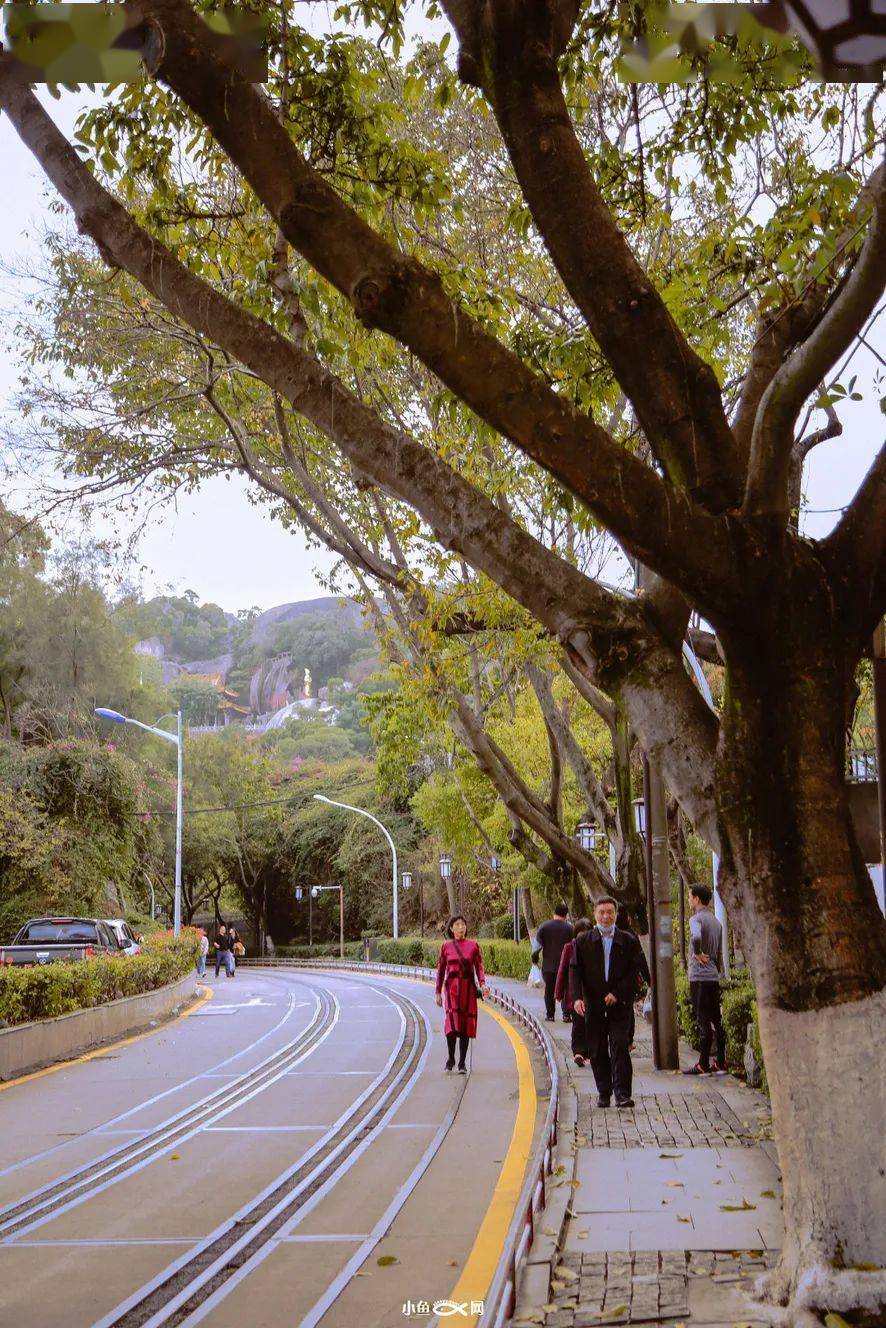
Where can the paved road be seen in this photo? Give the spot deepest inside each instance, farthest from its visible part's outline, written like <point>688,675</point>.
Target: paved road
<point>254,1161</point>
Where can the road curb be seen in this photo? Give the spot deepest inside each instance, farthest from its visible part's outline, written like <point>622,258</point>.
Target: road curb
<point>26,1048</point>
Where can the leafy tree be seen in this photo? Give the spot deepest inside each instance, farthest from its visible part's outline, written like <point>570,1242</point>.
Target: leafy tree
<point>667,395</point>
<point>196,698</point>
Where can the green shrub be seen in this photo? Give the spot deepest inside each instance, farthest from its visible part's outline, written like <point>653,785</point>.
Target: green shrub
<point>60,988</point>
<point>328,950</point>
<point>500,928</point>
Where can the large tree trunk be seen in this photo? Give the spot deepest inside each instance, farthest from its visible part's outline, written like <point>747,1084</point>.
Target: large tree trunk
<point>815,940</point>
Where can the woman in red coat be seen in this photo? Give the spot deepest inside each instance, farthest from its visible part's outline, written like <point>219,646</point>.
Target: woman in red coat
<point>459,974</point>
<point>562,993</point>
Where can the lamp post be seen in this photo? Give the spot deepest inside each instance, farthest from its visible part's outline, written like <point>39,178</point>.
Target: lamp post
<point>407,885</point>
<point>358,811</point>
<point>446,876</point>
<point>312,895</point>
<point>318,889</point>
<point>176,738</point>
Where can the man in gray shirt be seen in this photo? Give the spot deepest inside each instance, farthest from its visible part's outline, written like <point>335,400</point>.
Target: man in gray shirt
<point>705,970</point>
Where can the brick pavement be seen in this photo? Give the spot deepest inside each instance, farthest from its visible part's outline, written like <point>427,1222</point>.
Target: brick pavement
<point>673,1206</point>
<point>670,1120</point>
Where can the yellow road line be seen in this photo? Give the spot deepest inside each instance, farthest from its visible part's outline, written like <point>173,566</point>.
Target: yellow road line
<point>479,1269</point>
<point>106,1046</point>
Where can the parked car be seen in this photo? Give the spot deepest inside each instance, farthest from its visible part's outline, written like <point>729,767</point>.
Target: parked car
<point>130,943</point>
<point>47,940</point>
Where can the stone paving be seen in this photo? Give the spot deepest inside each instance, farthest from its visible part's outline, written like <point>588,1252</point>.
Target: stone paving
<point>670,1120</point>
<point>661,1214</point>
<point>647,1287</point>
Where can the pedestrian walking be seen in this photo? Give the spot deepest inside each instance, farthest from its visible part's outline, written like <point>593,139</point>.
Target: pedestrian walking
<point>223,954</point>
<point>238,950</point>
<point>204,951</point>
<point>562,992</point>
<point>705,971</point>
<point>550,939</point>
<point>460,978</point>
<point>603,974</point>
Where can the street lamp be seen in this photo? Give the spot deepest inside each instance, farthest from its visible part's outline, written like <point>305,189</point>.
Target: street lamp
<point>358,811</point>
<point>315,891</point>
<point>639,806</point>
<point>586,834</point>
<point>406,879</point>
<point>445,866</point>
<point>175,738</point>
<point>312,895</point>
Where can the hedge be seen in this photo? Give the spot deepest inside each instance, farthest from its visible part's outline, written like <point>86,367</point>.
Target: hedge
<point>328,950</point>
<point>739,1008</point>
<point>45,991</point>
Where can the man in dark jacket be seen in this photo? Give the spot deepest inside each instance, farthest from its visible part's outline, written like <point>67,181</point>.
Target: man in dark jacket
<point>604,984</point>
<point>550,940</point>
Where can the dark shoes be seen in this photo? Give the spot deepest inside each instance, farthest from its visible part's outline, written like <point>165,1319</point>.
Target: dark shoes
<point>603,1100</point>
<point>697,1069</point>
<point>718,1068</point>
<point>624,1101</point>
<point>550,1019</point>
<point>462,1069</point>
<point>450,1065</point>
<point>567,1019</point>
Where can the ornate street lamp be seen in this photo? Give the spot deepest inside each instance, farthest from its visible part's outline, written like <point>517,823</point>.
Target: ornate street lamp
<point>639,807</point>
<point>445,866</point>
<point>407,880</point>
<point>586,834</point>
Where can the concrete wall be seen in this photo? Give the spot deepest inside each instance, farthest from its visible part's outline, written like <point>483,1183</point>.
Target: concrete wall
<point>26,1047</point>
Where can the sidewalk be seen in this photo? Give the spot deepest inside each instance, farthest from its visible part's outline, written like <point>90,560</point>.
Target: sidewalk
<point>662,1214</point>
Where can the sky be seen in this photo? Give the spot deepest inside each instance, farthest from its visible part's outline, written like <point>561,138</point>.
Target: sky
<point>228,551</point>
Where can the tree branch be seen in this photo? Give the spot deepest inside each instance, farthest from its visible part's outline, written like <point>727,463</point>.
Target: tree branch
<point>393,292</point>
<point>856,554</point>
<point>773,437</point>
<point>674,393</point>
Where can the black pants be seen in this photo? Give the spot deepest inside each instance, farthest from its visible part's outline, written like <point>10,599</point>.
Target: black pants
<point>579,1036</point>
<point>550,1003</point>
<point>608,1032</point>
<point>706,1008</point>
<point>463,1040</point>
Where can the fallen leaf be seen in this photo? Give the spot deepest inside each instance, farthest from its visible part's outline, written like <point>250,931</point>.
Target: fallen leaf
<point>567,1273</point>
<point>675,1184</point>
<point>670,1154</point>
<point>865,1267</point>
<point>743,1207</point>
<point>174,1157</point>
<point>583,1235</point>
<point>833,1320</point>
<point>550,1231</point>
<point>453,1263</point>
<point>743,1325</point>
<point>683,1219</point>
<point>386,1260</point>
<point>575,1184</point>
<point>767,1194</point>
<point>621,1309</point>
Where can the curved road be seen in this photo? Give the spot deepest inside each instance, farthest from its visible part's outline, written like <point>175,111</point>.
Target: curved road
<point>253,1161</point>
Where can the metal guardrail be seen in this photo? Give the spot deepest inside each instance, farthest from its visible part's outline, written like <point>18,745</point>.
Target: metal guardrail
<point>500,1301</point>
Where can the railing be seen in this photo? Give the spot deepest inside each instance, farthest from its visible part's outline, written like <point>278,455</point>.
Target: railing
<point>499,1303</point>
<point>861,765</point>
